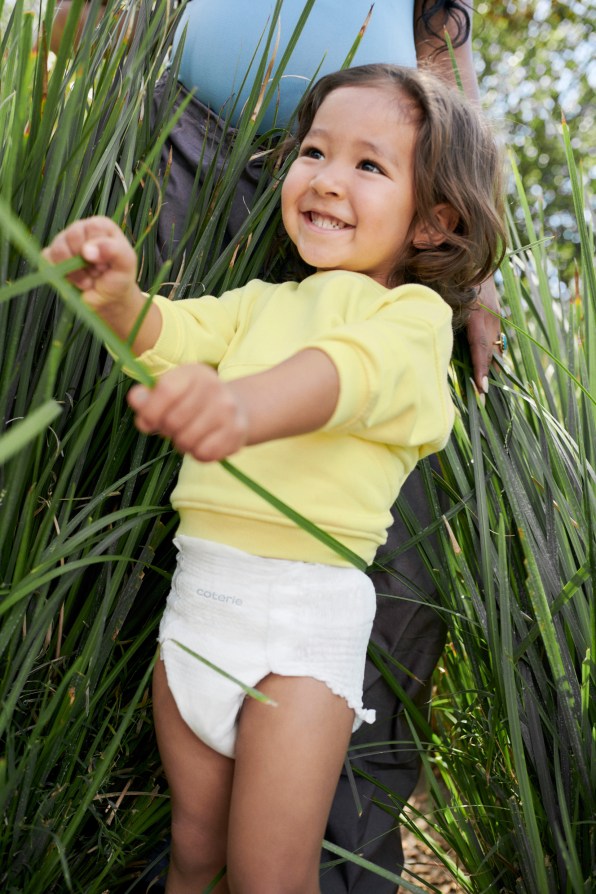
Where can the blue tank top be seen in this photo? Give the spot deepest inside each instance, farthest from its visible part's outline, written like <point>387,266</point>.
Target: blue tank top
<point>222,35</point>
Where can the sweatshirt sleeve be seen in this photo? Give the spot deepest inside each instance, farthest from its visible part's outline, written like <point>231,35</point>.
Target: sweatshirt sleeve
<point>393,369</point>
<point>194,330</point>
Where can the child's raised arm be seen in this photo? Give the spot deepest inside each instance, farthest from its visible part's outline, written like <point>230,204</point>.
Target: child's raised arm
<point>108,281</point>
<point>212,419</point>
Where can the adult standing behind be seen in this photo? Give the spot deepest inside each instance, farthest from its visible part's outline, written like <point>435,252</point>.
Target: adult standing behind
<point>216,57</point>
<point>219,42</point>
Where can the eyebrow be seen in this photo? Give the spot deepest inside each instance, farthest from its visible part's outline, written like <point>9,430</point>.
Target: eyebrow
<point>365,145</point>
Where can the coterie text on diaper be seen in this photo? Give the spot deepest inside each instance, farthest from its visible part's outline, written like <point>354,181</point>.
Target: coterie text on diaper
<point>219,597</point>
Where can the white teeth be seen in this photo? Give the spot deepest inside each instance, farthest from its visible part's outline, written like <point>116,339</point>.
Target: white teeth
<point>326,223</point>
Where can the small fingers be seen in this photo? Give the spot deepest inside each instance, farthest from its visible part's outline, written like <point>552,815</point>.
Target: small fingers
<point>218,444</point>
<point>137,398</point>
<point>151,407</point>
<point>70,241</point>
<point>192,408</point>
<point>109,252</point>
<point>90,229</point>
<point>100,242</point>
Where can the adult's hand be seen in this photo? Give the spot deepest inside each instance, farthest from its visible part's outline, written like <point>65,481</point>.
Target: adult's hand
<point>484,331</point>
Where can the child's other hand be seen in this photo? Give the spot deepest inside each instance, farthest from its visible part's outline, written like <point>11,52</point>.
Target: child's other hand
<point>195,409</point>
<point>109,277</point>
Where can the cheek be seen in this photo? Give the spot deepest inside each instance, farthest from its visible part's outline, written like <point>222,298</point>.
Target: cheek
<point>288,203</point>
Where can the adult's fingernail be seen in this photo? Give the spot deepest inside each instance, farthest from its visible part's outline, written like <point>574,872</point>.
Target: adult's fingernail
<point>485,384</point>
<point>479,394</point>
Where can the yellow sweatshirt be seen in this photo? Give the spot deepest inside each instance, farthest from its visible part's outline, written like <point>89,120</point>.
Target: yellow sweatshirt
<point>391,348</point>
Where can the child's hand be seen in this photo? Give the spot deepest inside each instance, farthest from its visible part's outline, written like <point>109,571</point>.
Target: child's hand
<point>195,409</point>
<point>109,278</point>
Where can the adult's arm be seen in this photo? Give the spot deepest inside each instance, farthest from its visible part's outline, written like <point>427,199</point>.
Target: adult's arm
<point>431,48</point>
<point>59,23</point>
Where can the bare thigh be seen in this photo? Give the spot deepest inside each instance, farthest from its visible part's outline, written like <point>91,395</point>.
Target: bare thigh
<point>288,760</point>
<point>200,782</point>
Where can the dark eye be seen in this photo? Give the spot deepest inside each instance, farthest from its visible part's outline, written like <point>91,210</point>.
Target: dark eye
<point>370,166</point>
<point>310,152</point>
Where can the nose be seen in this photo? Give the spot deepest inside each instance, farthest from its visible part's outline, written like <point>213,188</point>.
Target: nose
<point>328,181</point>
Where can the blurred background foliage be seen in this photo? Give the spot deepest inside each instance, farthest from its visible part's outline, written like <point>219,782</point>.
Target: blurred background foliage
<point>536,61</point>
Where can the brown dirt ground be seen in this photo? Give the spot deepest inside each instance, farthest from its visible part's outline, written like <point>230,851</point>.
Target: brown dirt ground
<point>418,857</point>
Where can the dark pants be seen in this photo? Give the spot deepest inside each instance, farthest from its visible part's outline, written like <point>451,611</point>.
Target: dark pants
<point>412,632</point>
<point>409,629</point>
<point>196,152</point>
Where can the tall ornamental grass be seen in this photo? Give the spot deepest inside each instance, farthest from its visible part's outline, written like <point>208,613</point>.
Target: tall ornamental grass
<point>85,525</point>
<point>511,759</point>
<point>84,520</point>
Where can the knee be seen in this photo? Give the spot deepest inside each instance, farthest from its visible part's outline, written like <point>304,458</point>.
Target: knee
<point>195,851</point>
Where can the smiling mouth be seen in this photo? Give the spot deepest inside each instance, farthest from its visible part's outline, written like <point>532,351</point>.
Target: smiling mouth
<point>325,222</point>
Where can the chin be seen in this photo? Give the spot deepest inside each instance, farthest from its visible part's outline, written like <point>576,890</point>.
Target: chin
<point>324,264</point>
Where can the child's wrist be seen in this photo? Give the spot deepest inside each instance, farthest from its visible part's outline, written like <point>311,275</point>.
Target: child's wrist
<point>122,314</point>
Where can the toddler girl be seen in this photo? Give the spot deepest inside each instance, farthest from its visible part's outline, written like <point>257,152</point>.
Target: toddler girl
<point>328,391</point>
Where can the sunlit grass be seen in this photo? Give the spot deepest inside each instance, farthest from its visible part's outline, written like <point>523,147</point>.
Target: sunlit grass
<point>85,526</point>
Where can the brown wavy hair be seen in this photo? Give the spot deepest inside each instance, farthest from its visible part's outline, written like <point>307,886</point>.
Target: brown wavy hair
<point>456,161</point>
<point>454,12</point>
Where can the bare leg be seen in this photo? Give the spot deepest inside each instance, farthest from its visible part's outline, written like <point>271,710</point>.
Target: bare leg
<point>200,783</point>
<point>288,761</point>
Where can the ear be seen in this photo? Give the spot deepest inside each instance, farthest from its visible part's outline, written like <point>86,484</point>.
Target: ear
<point>426,236</point>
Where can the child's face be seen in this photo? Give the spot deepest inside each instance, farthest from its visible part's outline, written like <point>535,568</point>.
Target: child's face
<point>348,199</point>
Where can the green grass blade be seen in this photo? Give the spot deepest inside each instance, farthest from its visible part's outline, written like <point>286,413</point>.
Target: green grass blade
<point>21,433</point>
<point>249,690</point>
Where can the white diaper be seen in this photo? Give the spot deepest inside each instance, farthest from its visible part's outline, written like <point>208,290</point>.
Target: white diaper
<point>252,616</point>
